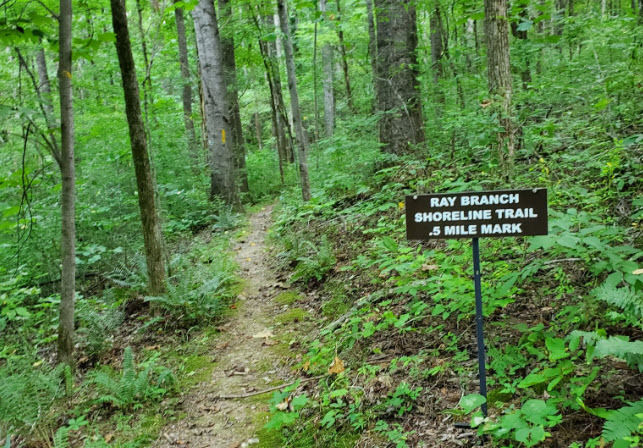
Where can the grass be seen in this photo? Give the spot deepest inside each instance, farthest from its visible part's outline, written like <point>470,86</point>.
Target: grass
<point>293,315</point>
<point>287,297</point>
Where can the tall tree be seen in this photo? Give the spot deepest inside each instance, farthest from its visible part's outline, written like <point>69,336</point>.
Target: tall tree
<point>520,33</point>
<point>230,73</point>
<point>186,94</point>
<point>218,123</point>
<point>342,51</point>
<point>437,48</point>
<point>68,195</point>
<point>372,46</point>
<point>499,74</point>
<point>152,236</point>
<point>328,67</point>
<point>401,125</point>
<point>302,140</point>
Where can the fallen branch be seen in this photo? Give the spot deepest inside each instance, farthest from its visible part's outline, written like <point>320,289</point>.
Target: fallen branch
<point>261,392</point>
<point>561,260</point>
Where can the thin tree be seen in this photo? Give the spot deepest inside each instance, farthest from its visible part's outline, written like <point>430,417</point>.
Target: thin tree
<point>437,48</point>
<point>302,140</point>
<point>68,195</point>
<point>186,94</point>
<point>401,125</point>
<point>327,83</point>
<point>230,73</point>
<point>152,236</point>
<point>499,75</point>
<point>372,47</point>
<point>218,122</point>
<point>342,51</point>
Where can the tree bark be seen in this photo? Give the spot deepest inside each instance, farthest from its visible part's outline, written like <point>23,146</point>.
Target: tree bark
<point>44,91</point>
<point>68,195</point>
<point>152,236</point>
<point>525,74</point>
<point>329,94</point>
<point>147,80</point>
<point>217,119</point>
<point>559,17</point>
<point>302,140</point>
<point>401,126</point>
<point>372,47</point>
<point>230,72</point>
<point>342,51</point>
<point>278,109</point>
<point>437,50</point>
<point>499,75</point>
<point>283,120</point>
<point>186,94</point>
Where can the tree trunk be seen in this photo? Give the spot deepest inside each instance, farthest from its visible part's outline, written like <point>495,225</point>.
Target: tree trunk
<point>342,50</point>
<point>437,49</point>
<point>401,125</point>
<point>525,74</point>
<point>217,119</point>
<point>187,84</point>
<point>329,94</point>
<point>499,75</point>
<point>147,80</point>
<point>302,140</point>
<point>372,47</point>
<point>283,119</point>
<point>152,236</point>
<point>68,195</point>
<point>559,17</point>
<point>258,131</point>
<point>315,95</point>
<point>44,90</point>
<point>278,108</point>
<point>230,72</point>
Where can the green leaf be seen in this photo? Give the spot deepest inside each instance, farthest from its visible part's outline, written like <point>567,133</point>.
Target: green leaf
<point>299,402</point>
<point>471,402</point>
<point>556,348</point>
<point>537,411</point>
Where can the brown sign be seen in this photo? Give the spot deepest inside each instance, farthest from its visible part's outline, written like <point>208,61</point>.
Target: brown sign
<point>477,214</point>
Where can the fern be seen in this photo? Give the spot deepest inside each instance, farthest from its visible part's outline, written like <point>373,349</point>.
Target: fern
<point>132,387</point>
<point>61,438</point>
<point>599,346</point>
<point>27,396</point>
<point>623,423</point>
<point>623,298</point>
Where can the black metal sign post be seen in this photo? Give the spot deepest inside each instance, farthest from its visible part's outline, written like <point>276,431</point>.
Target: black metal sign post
<point>479,319</point>
<point>474,215</point>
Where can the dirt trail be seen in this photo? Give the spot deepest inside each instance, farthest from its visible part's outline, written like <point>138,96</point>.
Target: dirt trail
<point>244,359</point>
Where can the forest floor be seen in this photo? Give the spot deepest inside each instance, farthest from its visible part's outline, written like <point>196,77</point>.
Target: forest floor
<point>249,357</point>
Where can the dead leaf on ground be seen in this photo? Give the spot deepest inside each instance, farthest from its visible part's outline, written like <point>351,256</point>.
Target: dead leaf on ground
<point>637,271</point>
<point>337,366</point>
<point>284,404</point>
<point>267,333</point>
<point>429,267</point>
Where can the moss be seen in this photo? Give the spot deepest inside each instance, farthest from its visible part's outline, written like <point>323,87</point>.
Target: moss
<point>287,298</point>
<point>197,368</point>
<point>292,315</point>
<point>267,438</point>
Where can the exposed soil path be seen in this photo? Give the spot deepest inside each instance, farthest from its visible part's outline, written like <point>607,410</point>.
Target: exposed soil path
<point>245,361</point>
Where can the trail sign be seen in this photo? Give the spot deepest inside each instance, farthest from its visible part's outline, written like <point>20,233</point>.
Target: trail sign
<point>473,215</point>
<point>477,214</point>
